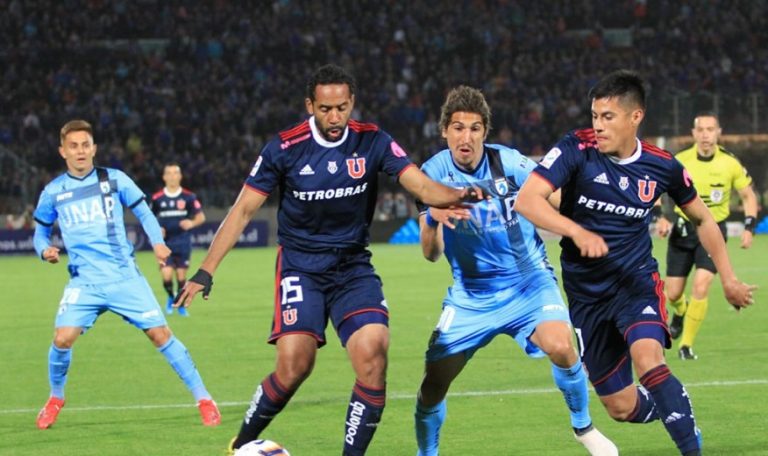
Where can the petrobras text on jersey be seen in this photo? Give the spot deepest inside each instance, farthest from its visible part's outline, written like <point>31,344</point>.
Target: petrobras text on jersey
<point>618,209</point>
<point>331,193</point>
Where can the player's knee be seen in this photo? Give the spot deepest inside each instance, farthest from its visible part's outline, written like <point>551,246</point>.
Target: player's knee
<point>159,335</point>
<point>618,410</point>
<point>293,372</point>
<point>62,341</point>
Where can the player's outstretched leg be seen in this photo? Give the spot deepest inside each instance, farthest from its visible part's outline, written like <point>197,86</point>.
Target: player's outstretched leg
<point>674,408</point>
<point>268,400</point>
<point>572,382</point>
<point>178,357</point>
<point>59,360</point>
<point>363,416</point>
<point>428,421</point>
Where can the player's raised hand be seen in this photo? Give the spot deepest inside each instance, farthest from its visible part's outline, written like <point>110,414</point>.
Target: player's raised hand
<point>51,254</point>
<point>738,294</point>
<point>162,252</point>
<point>590,245</point>
<point>201,281</point>
<point>448,216</point>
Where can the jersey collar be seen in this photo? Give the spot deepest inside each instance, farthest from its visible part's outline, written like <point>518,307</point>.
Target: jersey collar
<point>632,158</point>
<point>322,141</point>
<point>84,177</point>
<point>172,195</point>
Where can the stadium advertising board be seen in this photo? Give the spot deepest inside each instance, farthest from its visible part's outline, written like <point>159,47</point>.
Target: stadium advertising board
<point>254,235</point>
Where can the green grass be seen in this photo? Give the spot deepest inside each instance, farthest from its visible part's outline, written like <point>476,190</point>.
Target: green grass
<point>123,399</point>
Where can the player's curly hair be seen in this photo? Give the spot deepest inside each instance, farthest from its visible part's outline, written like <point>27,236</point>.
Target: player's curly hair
<point>465,99</point>
<point>625,84</point>
<point>75,125</point>
<point>330,74</point>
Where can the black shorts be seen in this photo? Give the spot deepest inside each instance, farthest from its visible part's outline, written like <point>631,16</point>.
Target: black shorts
<point>685,250</point>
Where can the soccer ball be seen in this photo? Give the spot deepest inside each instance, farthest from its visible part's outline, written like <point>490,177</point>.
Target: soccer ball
<point>262,448</point>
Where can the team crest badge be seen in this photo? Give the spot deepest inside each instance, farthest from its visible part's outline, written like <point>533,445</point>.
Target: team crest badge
<point>356,167</point>
<point>181,204</point>
<point>332,167</point>
<point>105,187</point>
<point>502,187</point>
<point>290,316</point>
<point>623,182</point>
<point>646,189</point>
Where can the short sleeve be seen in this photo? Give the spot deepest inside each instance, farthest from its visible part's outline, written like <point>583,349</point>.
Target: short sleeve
<point>741,178</point>
<point>265,173</point>
<point>394,160</point>
<point>681,188</point>
<point>130,194</point>
<point>561,162</point>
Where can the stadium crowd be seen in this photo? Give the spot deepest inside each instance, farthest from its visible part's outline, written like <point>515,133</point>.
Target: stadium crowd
<point>207,83</point>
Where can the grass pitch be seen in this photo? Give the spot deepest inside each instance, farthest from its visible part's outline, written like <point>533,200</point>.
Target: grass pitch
<point>123,399</point>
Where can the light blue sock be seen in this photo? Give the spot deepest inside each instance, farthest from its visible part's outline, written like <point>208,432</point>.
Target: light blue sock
<point>428,421</point>
<point>572,382</point>
<point>58,365</point>
<point>178,357</point>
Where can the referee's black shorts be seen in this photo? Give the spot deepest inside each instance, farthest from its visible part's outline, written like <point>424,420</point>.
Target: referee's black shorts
<point>685,250</point>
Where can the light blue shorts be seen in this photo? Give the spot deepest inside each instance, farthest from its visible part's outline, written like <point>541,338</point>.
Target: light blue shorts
<point>470,320</point>
<point>132,299</point>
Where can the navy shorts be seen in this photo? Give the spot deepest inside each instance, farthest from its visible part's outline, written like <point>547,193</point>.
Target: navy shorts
<point>340,285</point>
<point>606,328</point>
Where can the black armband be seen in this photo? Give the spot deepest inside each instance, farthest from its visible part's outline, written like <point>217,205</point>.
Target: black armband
<point>750,223</point>
<point>656,213</point>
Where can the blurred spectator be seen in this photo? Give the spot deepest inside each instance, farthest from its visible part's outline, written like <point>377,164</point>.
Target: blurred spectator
<point>24,220</point>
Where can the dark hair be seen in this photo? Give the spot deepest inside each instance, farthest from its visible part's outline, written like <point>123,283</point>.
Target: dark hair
<point>75,125</point>
<point>705,114</point>
<point>330,74</point>
<point>172,163</point>
<point>624,84</point>
<point>465,99</point>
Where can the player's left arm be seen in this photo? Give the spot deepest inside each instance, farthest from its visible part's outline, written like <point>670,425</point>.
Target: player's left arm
<point>132,197</point>
<point>749,203</point>
<point>197,220</point>
<point>737,293</point>
<point>435,194</point>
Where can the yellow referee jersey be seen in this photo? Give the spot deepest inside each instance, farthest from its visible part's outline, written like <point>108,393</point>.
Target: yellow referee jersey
<point>714,178</point>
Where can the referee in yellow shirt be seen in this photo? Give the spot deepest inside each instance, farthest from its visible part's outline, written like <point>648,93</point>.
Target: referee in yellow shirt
<point>715,173</point>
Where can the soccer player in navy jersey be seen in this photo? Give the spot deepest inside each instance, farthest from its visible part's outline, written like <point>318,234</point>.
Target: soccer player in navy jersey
<point>178,210</point>
<point>88,203</point>
<point>503,282</point>
<point>610,181</point>
<point>325,169</point>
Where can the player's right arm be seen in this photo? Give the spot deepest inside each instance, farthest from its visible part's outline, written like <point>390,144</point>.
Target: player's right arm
<point>45,215</point>
<point>533,204</point>
<point>433,193</point>
<point>737,293</point>
<point>248,203</point>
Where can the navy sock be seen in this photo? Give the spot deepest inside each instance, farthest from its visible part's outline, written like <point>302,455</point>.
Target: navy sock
<point>673,406</point>
<point>180,285</point>
<point>645,409</point>
<point>270,398</point>
<point>168,287</point>
<point>363,416</point>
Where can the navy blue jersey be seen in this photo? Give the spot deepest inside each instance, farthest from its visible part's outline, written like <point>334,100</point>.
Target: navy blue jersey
<point>327,189</point>
<point>612,197</point>
<point>170,209</point>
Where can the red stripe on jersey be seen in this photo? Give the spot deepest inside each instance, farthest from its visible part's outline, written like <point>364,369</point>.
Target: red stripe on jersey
<point>277,318</point>
<point>186,191</point>
<point>657,151</point>
<point>585,134</point>
<point>662,297</point>
<point>545,180</point>
<point>254,189</point>
<point>295,131</point>
<point>613,371</point>
<point>360,127</point>
<point>405,169</point>
<point>157,194</point>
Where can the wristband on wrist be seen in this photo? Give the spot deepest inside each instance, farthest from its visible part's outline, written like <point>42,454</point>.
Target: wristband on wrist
<point>750,223</point>
<point>430,221</point>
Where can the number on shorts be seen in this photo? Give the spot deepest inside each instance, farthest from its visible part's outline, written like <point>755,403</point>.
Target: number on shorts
<point>291,290</point>
<point>446,318</point>
<point>70,297</point>
<point>579,341</point>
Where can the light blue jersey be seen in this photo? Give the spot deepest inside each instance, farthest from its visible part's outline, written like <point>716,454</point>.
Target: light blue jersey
<point>89,210</point>
<point>497,246</point>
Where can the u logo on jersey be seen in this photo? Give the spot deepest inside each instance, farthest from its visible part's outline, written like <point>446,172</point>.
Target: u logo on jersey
<point>290,316</point>
<point>646,190</point>
<point>356,167</point>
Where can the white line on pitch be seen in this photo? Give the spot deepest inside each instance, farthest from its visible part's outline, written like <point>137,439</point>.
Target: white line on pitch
<point>397,396</point>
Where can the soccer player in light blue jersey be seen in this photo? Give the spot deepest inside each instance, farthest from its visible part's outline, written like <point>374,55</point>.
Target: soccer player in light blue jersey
<point>88,203</point>
<point>503,283</point>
